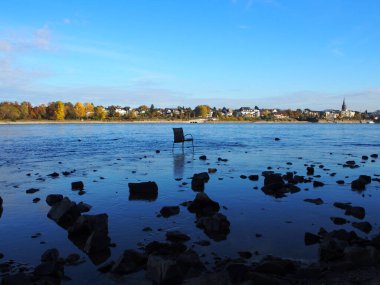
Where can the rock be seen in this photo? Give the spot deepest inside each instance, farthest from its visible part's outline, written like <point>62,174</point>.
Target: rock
<point>53,199</point>
<point>276,266</point>
<point>243,176</point>
<point>72,259</point>
<point>365,157</point>
<point>363,226</point>
<point>237,272</point>
<point>17,279</point>
<point>168,211</point>
<point>215,278</point>
<point>340,182</point>
<point>374,155</point>
<point>32,190</point>
<point>205,243</point>
<point>78,185</point>
<point>350,162</point>
<point>331,249</point>
<point>143,191</point>
<point>343,206</point>
<point>66,173</point>
<point>130,261</point>
<point>83,207</point>
<point>212,170</point>
<point>222,159</point>
<point>318,184</point>
<point>366,179</point>
<point>216,227</point>
<point>64,213</point>
<point>176,236</point>
<point>50,255</point>
<point>1,202</point>
<point>49,269</point>
<point>338,221</point>
<point>162,248</point>
<point>310,171</point>
<point>36,200</point>
<point>203,205</point>
<point>245,254</point>
<point>158,151</point>
<point>317,201</point>
<point>276,139</point>
<point>361,256</point>
<point>310,238</point>
<point>198,181</point>
<point>54,174</point>
<point>106,267</point>
<point>357,212</point>
<point>253,177</point>
<point>203,157</point>
<point>358,185</point>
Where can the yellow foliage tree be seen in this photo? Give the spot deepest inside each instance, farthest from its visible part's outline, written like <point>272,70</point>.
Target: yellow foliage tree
<point>99,113</point>
<point>59,112</point>
<point>79,110</point>
<point>202,111</point>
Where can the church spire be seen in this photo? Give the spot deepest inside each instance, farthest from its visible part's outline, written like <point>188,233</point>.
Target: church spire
<point>344,107</point>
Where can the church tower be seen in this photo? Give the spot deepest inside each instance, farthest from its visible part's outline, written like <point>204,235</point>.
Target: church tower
<point>344,107</point>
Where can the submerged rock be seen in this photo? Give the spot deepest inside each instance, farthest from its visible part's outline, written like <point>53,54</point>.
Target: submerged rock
<point>362,226</point>
<point>176,236</point>
<point>253,177</point>
<point>216,227</point>
<point>143,191</point>
<point>64,213</point>
<point>168,211</point>
<point>357,212</point>
<point>52,199</point>
<point>202,205</point>
<point>317,201</point>
<point>338,221</point>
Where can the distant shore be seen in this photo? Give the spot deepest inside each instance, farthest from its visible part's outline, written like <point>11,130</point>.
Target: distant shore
<point>200,121</point>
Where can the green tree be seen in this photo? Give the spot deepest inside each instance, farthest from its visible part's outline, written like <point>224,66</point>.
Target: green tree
<point>99,113</point>
<point>25,108</point>
<point>59,113</point>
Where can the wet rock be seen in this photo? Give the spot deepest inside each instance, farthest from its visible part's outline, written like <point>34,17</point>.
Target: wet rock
<point>203,243</point>
<point>276,266</point>
<point>216,227</point>
<point>212,170</point>
<point>53,270</point>
<point>77,185</point>
<point>276,139</point>
<point>237,272</point>
<point>32,190</point>
<point>331,249</point>
<point>198,181</point>
<point>158,151</point>
<point>310,238</point>
<point>176,236</point>
<point>310,171</point>
<point>274,185</point>
<point>90,233</point>
<point>72,259</point>
<point>253,177</point>
<point>53,175</point>
<point>36,200</point>
<point>203,157</point>
<point>357,212</point>
<point>106,267</point>
<point>243,176</point>
<point>365,157</point>
<point>374,155</point>
<point>17,279</point>
<point>203,205</point>
<point>147,229</point>
<point>362,226</point>
<point>143,191</point>
<point>358,185</point>
<point>50,255</point>
<point>317,201</point>
<point>83,207</point>
<point>66,173</point>
<point>318,184</point>
<point>350,162</point>
<point>338,221</point>
<point>64,213</point>
<point>53,199</point>
<point>217,278</point>
<point>163,248</point>
<point>343,206</point>
<point>365,178</point>
<point>340,182</point>
<point>245,254</point>
<point>361,256</point>
<point>130,261</point>
<point>168,211</point>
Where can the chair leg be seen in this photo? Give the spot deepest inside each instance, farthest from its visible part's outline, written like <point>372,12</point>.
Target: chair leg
<point>192,142</point>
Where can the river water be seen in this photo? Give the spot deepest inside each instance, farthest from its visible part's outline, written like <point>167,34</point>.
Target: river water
<point>106,157</point>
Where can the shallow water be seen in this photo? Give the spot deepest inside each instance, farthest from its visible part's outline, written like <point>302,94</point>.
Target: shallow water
<point>123,153</point>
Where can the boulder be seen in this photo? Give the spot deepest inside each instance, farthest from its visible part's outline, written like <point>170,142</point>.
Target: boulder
<point>168,211</point>
<point>54,175</point>
<point>198,181</point>
<point>310,171</point>
<point>343,206</point>
<point>130,261</point>
<point>176,236</point>
<point>163,248</point>
<point>211,170</point>
<point>276,266</point>
<point>217,278</point>
<point>374,155</point>
<point>53,199</point>
<point>216,227</point>
<point>361,256</point>
<point>365,157</point>
<point>77,185</point>
<point>366,179</point>
<point>64,213</point>
<point>143,191</point>
<point>17,279</point>
<point>362,226</point>
<point>202,205</point>
<point>357,212</point>
<point>340,182</point>
<point>50,255</point>
<point>310,238</point>
<point>83,207</point>
<point>358,185</point>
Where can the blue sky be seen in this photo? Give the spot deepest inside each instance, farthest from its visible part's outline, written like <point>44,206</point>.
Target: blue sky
<point>270,53</point>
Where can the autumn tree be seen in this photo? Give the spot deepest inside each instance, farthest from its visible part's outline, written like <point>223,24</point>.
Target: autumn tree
<point>99,113</point>
<point>69,111</point>
<point>89,109</point>
<point>202,111</point>
<point>25,108</point>
<point>79,110</point>
<point>59,113</point>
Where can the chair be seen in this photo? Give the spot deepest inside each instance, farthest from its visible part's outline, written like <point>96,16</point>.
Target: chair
<point>179,137</point>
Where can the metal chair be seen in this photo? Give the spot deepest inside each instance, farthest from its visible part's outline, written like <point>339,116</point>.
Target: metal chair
<point>179,137</point>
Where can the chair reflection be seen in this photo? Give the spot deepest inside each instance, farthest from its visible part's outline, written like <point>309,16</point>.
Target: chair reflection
<point>178,165</point>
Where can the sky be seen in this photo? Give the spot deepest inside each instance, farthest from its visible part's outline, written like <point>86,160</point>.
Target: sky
<point>233,53</point>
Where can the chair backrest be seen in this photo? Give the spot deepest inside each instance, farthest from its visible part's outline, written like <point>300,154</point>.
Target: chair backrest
<point>178,135</point>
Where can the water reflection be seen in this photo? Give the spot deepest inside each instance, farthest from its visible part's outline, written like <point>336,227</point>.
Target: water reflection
<point>178,164</point>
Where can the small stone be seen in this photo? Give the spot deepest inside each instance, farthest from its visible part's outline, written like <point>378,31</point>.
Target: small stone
<point>338,221</point>
<point>317,201</point>
<point>168,211</point>
<point>318,184</point>
<point>203,157</point>
<point>78,185</point>
<point>310,238</point>
<point>245,254</point>
<point>32,190</point>
<point>36,200</point>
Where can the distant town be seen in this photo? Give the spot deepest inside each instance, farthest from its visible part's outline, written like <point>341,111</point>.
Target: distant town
<point>60,111</point>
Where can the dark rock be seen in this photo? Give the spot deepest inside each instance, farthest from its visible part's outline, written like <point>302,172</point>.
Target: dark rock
<point>365,178</point>
<point>350,162</point>
<point>83,207</point>
<point>317,201</point>
<point>245,254</point>
<point>340,182</point>
<point>161,248</point>
<point>276,266</point>
<point>318,184</point>
<point>66,173</point>
<point>216,227</point>
<point>357,212</point>
<point>198,181</point>
<point>374,155</point>
<point>310,238</point>
<point>143,191</point>
<point>53,199</point>
<point>50,255</point>
<point>36,200</point>
<point>360,256</point>
<point>343,206</point>
<point>253,177</point>
<point>64,213</point>
<point>168,211</point>
<point>130,261</point>
<point>147,229</point>
<point>331,249</point>
<point>49,269</point>
<point>222,159</point>
<point>276,139</point>
<point>72,259</point>
<point>203,157</point>
<point>54,174</point>
<point>237,272</point>
<point>338,221</point>
<point>157,151</point>
<point>32,190</point>
<point>77,185</point>
<point>203,243</point>
<point>17,279</point>
<point>310,171</point>
<point>203,205</point>
<point>176,236</point>
<point>365,157</point>
<point>358,185</point>
<point>363,226</point>
<point>212,170</point>
<point>243,176</point>
<point>106,267</point>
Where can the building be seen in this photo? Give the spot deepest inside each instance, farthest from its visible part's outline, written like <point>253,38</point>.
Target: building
<point>345,113</point>
<point>248,112</point>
